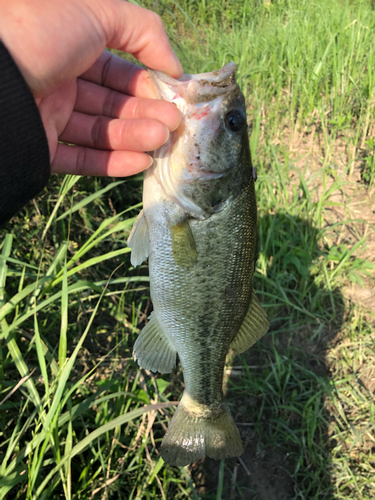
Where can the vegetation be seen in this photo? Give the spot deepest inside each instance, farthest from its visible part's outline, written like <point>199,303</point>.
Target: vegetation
<point>78,419</point>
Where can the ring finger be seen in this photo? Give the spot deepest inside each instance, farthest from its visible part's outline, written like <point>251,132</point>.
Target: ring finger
<point>98,100</point>
<point>100,132</point>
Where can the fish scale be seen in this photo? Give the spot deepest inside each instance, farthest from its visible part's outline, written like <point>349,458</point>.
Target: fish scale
<point>198,229</point>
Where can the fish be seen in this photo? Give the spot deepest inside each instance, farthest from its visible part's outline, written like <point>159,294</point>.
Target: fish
<point>198,229</point>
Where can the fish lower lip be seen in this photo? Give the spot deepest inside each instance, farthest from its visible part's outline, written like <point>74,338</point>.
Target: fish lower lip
<point>204,172</point>
<point>204,175</point>
<point>200,174</point>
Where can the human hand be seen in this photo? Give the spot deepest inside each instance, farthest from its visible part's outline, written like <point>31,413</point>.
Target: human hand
<point>104,105</point>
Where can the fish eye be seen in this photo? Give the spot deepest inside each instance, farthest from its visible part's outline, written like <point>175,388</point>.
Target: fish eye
<point>235,120</point>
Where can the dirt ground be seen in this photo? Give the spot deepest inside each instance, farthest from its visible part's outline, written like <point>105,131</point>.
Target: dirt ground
<point>354,201</point>
<point>260,473</point>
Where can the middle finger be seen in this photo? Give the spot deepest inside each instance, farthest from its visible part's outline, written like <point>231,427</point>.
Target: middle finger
<point>99,132</point>
<point>94,99</point>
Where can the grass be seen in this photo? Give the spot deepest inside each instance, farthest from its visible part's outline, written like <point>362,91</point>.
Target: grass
<point>78,419</point>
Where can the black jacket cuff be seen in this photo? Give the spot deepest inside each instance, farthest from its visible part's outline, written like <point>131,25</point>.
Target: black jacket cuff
<point>24,153</point>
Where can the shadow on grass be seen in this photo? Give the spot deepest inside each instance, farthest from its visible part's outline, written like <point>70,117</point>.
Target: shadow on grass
<point>278,389</point>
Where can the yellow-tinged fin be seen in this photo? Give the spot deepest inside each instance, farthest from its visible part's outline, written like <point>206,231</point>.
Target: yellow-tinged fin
<point>153,350</point>
<point>138,240</point>
<point>254,326</point>
<point>198,430</point>
<point>183,244</point>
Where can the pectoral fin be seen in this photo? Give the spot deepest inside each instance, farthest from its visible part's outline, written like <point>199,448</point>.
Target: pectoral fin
<point>183,244</point>
<point>153,350</point>
<point>254,326</point>
<point>138,240</point>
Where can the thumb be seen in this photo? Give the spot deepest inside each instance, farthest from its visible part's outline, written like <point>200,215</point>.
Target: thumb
<point>141,33</point>
<point>53,42</point>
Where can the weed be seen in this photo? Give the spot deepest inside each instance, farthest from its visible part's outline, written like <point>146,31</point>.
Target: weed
<point>78,419</point>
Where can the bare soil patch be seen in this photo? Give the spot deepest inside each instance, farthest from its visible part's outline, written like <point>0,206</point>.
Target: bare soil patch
<point>351,214</point>
<point>259,474</point>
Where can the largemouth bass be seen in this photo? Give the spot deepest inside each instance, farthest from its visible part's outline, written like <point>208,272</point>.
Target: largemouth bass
<point>198,229</point>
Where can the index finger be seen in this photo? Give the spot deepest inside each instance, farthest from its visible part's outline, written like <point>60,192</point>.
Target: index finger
<point>141,32</point>
<point>116,73</point>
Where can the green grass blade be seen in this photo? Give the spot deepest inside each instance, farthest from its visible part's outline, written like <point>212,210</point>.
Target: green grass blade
<point>16,299</point>
<point>89,199</point>
<point>23,369</point>
<point>220,481</point>
<point>7,247</point>
<point>15,439</point>
<point>156,470</point>
<point>65,371</point>
<point>68,183</point>
<point>90,438</point>
<point>18,262</point>
<point>64,321</point>
<point>41,359</point>
<point>10,481</point>
<point>68,464</point>
<point>93,262</point>
<point>80,286</point>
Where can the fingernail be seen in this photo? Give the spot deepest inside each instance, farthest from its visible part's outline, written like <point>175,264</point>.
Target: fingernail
<point>151,161</point>
<point>167,136</point>
<point>181,70</point>
<point>179,121</point>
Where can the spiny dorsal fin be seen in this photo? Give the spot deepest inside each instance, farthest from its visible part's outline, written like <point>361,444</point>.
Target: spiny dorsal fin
<point>254,326</point>
<point>153,350</point>
<point>138,240</point>
<point>183,244</point>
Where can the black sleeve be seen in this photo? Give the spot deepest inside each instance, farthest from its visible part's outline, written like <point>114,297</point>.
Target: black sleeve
<point>24,154</point>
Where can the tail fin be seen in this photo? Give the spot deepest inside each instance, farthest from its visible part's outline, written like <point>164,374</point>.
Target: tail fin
<point>198,430</point>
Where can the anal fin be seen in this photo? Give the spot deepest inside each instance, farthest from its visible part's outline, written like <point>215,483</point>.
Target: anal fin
<point>152,349</point>
<point>138,240</point>
<point>254,326</point>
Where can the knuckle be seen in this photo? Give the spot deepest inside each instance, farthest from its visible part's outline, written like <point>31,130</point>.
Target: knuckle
<point>125,132</point>
<point>96,134</point>
<point>80,161</point>
<point>109,104</point>
<point>156,20</point>
<point>134,108</point>
<point>105,70</point>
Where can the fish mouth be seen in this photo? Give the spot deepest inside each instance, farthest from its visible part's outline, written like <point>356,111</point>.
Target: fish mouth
<point>202,174</point>
<point>193,89</point>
